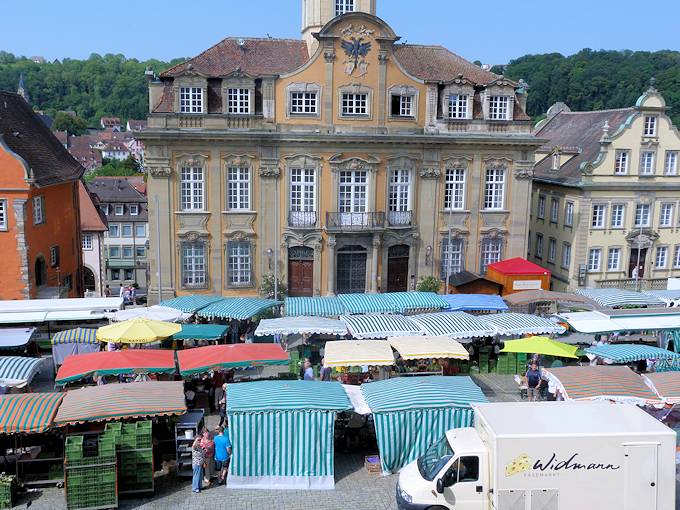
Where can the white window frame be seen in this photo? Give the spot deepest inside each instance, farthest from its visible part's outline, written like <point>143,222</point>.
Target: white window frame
<point>192,188</point>
<point>540,212</point>
<point>353,191</point>
<point>650,125</point>
<point>239,264</point>
<point>552,250</point>
<point>647,162</point>
<point>406,105</point>
<point>344,6</point>
<point>555,163</point>
<point>302,195</point>
<point>114,227</point>
<point>239,101</point>
<point>566,255</point>
<point>594,260</point>
<point>494,189</point>
<point>123,228</point>
<point>599,216</point>
<point>191,100</point>
<point>4,223</point>
<point>661,257</point>
<point>38,210</point>
<point>639,216</point>
<point>492,252</point>
<point>134,210</point>
<point>87,241</point>
<point>127,252</point>
<point>554,210</point>
<point>454,189</point>
<point>303,103</point>
<point>676,257</point>
<point>354,104</point>
<point>670,166</point>
<point>621,161</point>
<point>105,209</point>
<point>569,213</point>
<point>194,265</point>
<point>614,259</point>
<point>455,253</point>
<point>538,252</point>
<point>458,106</point>
<point>499,107</point>
<point>238,188</point>
<point>666,214</point>
<point>138,226</point>
<point>618,216</point>
<point>118,210</point>
<point>399,190</point>
<point>139,255</point>
<point>114,252</point>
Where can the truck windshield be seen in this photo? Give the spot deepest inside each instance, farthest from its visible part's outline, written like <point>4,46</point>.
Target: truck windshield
<point>434,459</point>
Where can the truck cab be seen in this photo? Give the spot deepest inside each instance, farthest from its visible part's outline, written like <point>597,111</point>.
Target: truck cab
<point>453,473</point>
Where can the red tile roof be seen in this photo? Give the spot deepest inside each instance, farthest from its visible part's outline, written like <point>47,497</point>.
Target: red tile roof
<point>256,57</point>
<point>436,63</point>
<point>90,217</point>
<point>518,265</point>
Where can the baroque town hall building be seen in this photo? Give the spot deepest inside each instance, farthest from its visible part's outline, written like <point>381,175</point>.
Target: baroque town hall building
<point>346,161</point>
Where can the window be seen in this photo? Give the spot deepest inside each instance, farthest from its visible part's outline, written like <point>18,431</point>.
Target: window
<point>238,101</point>
<point>458,106</point>
<point>127,252</point>
<point>541,207</point>
<point>353,192</point>
<point>594,259</point>
<point>598,215</point>
<point>87,241</point>
<point>569,214</point>
<point>492,252</point>
<point>238,188</point>
<point>303,103</point>
<point>134,210</point>
<point>127,230</point>
<point>621,162</point>
<point>671,163</point>
<point>140,230</point>
<point>554,210</point>
<point>618,212</point>
<point>343,6</point>
<point>114,252</point>
<point>642,215</point>
<point>453,255</point>
<point>114,229</point>
<point>194,273</point>
<point>115,274</point>
<point>647,162</point>
<point>465,469</point>
<point>499,107</point>
<point>666,215</point>
<point>494,188</point>
<point>354,104</point>
<point>566,255</point>
<point>38,210</point>
<point>302,196</point>
<point>552,250</point>
<point>555,164</point>
<point>650,126</point>
<point>191,100</point>
<point>192,188</point>
<point>401,106</point>
<point>3,214</point>
<point>676,256</point>
<point>399,197</point>
<point>661,256</point>
<point>118,209</point>
<point>105,209</point>
<point>539,246</point>
<point>54,256</point>
<point>454,189</point>
<point>129,274</point>
<point>614,259</point>
<point>140,252</point>
<point>239,263</point>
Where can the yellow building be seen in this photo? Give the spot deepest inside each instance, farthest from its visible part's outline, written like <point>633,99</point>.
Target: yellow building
<point>605,201</point>
<point>345,161</point>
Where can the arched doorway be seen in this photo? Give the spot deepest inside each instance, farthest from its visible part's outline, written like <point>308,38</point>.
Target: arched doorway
<point>300,271</point>
<point>351,272</point>
<point>40,272</point>
<point>397,268</point>
<point>89,279</point>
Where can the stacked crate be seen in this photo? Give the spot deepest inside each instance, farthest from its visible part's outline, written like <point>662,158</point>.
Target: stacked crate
<point>511,363</point>
<point>483,361</point>
<point>135,454</point>
<point>91,479</point>
<point>6,490</point>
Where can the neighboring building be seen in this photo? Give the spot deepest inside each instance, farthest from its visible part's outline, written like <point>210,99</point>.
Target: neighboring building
<point>112,123</point>
<point>115,150</point>
<point>606,196</point>
<point>345,156</point>
<point>92,229</point>
<point>126,240</point>
<point>22,89</point>
<point>135,125</point>
<point>39,208</point>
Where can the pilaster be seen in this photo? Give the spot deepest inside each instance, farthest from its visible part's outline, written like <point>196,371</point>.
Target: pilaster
<point>19,207</point>
<point>331,264</point>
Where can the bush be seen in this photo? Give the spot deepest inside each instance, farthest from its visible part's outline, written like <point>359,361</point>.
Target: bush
<point>429,284</point>
<point>267,286</point>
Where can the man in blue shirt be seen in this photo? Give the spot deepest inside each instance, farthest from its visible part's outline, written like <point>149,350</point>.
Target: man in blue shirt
<point>533,379</point>
<point>222,453</point>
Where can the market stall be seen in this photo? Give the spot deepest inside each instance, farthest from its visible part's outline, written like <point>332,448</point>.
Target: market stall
<point>368,303</point>
<point>119,401</point>
<point>613,354</point>
<point>358,353</point>
<point>541,345</point>
<point>282,433</point>
<point>205,332</point>
<point>474,302</point>
<point>155,313</point>
<point>192,303</point>
<point>237,308</point>
<point>301,326</point>
<point>18,371</point>
<point>517,324</point>
<point>73,341</point>
<point>517,274</point>
<point>412,413</point>
<point>314,306</point>
<point>137,331</point>
<point>215,357</point>
<point>458,325</point>
<point>28,413</point>
<point>12,339</point>
<point>380,326</point>
<point>128,361</point>
<point>616,298</point>
<point>428,347</point>
<point>666,385</point>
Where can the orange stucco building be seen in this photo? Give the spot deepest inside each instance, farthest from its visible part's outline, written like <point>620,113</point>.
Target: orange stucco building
<point>39,210</point>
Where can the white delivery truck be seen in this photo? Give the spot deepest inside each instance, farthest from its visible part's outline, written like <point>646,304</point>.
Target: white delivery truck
<point>546,456</point>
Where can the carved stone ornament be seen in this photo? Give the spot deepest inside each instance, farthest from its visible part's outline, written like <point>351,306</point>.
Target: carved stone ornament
<point>496,164</point>
<point>239,160</point>
<point>430,172</point>
<point>270,170</point>
<point>241,236</point>
<point>356,49</point>
<point>642,239</point>
<point>524,172</point>
<point>493,234</point>
<point>192,237</point>
<point>355,163</point>
<point>329,55</point>
<point>193,162</point>
<point>160,172</point>
<point>458,163</point>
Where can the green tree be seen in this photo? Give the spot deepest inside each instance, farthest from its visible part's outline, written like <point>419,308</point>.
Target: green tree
<point>429,284</point>
<point>73,125</point>
<point>111,167</point>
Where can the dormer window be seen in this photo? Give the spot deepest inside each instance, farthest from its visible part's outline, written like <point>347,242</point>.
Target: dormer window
<point>458,106</point>
<point>191,100</point>
<point>238,101</point>
<point>650,126</point>
<point>343,6</point>
<point>499,107</point>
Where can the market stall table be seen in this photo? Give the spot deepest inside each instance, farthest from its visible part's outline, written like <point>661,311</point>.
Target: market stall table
<point>212,357</point>
<point>358,353</point>
<point>457,325</point>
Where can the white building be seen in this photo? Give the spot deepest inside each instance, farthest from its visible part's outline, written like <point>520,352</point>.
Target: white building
<point>92,227</point>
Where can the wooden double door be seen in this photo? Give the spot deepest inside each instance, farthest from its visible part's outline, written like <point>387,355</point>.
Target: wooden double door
<point>397,268</point>
<point>300,271</point>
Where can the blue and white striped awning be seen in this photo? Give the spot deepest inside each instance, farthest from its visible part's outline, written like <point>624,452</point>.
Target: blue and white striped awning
<point>458,325</point>
<point>192,303</point>
<point>618,297</point>
<point>380,326</point>
<point>416,301</point>
<point>627,353</point>
<point>18,371</point>
<point>511,324</point>
<point>237,308</point>
<point>314,307</point>
<point>369,303</point>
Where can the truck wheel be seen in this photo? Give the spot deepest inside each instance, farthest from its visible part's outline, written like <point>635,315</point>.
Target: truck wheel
<point>437,508</point>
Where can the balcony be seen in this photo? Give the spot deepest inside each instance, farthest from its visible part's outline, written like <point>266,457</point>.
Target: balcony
<point>632,284</point>
<point>354,221</point>
<point>400,218</point>
<point>209,121</point>
<point>302,219</point>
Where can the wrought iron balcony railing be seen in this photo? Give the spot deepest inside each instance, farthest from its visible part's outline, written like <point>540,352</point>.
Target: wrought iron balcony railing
<point>355,220</point>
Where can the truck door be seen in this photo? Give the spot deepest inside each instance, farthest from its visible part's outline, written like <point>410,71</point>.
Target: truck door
<point>464,484</point>
<point>640,483</point>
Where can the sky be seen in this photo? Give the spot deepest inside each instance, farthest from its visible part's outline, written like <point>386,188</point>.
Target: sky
<point>492,31</point>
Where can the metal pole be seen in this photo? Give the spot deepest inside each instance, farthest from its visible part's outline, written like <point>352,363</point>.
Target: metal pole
<point>158,247</point>
<point>450,252</point>
<point>276,240</point>
<point>637,264</point>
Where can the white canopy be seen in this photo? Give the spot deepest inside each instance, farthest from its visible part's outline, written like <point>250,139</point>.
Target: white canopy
<point>156,313</point>
<point>428,347</point>
<point>598,322</point>
<point>357,353</point>
<point>300,325</point>
<point>15,337</point>
<point>60,305</point>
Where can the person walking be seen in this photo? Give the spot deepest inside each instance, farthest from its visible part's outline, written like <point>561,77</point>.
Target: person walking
<point>309,371</point>
<point>222,405</point>
<point>325,372</point>
<point>222,453</point>
<point>208,446</point>
<point>533,379</point>
<point>197,462</point>
<point>107,291</point>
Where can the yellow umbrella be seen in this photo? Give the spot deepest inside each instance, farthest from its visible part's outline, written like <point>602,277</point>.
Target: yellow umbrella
<point>137,331</point>
<point>541,345</point>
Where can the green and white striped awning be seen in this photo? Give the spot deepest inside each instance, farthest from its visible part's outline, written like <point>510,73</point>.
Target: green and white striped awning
<point>237,308</point>
<point>314,307</point>
<point>512,324</point>
<point>458,325</point>
<point>380,326</point>
<point>192,303</point>
<point>416,301</point>
<point>627,353</point>
<point>411,413</point>
<point>265,396</point>
<point>18,371</point>
<point>369,303</point>
<point>612,298</point>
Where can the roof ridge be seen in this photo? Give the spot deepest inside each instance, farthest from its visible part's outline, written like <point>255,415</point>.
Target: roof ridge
<point>606,110</point>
